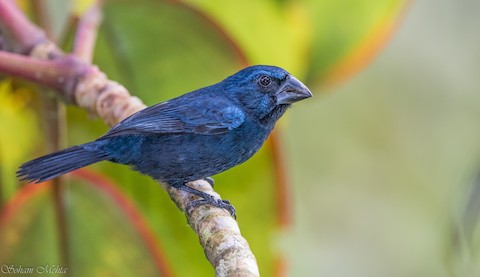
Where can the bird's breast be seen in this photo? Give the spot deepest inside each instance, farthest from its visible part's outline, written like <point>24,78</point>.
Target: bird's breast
<point>193,156</point>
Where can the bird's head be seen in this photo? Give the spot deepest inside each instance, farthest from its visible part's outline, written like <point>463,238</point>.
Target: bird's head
<point>265,91</point>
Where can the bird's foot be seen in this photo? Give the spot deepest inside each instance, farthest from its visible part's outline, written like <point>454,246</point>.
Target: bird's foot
<point>207,199</point>
<point>224,204</point>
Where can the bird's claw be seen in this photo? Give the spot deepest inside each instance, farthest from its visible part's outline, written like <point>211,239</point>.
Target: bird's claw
<point>210,181</point>
<point>224,204</point>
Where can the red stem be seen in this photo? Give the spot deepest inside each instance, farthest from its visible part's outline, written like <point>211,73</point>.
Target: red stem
<point>87,33</point>
<point>14,24</point>
<point>283,196</point>
<point>60,75</point>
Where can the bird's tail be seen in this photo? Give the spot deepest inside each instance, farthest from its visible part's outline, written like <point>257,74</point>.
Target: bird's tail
<point>61,162</point>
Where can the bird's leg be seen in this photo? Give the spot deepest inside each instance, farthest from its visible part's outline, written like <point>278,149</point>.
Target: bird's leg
<point>210,181</point>
<point>207,199</point>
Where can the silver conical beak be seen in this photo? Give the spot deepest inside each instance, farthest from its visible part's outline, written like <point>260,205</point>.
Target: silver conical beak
<point>292,90</point>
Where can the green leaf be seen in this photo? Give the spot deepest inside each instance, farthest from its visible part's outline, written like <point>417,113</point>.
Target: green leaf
<point>268,32</point>
<point>347,34</point>
<point>322,40</point>
<point>17,139</point>
<point>27,228</point>
<point>161,50</point>
<point>106,235</point>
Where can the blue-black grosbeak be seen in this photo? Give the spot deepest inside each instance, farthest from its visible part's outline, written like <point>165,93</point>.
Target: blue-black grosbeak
<point>193,136</point>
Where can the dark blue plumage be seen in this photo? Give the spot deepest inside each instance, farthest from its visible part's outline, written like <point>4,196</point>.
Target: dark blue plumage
<point>190,137</point>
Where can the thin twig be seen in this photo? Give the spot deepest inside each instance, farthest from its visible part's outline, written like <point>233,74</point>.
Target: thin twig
<point>86,35</point>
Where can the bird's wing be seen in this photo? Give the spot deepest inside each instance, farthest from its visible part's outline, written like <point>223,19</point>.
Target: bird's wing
<point>208,117</point>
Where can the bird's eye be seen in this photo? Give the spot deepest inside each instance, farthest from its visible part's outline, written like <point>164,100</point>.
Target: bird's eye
<point>264,81</point>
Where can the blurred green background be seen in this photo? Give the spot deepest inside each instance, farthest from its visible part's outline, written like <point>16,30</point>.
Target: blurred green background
<point>384,170</point>
<point>374,176</point>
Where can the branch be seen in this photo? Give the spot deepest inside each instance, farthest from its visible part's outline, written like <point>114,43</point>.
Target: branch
<point>83,84</point>
<point>59,74</point>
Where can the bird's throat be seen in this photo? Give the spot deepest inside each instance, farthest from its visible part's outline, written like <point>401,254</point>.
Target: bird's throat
<point>272,117</point>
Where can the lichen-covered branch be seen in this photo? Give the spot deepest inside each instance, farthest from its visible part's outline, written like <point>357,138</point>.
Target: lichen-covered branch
<point>83,84</point>
<point>219,234</point>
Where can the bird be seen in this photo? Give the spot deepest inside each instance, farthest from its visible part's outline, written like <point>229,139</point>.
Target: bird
<point>190,137</point>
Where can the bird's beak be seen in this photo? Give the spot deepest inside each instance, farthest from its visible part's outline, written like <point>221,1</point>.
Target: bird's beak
<point>292,90</point>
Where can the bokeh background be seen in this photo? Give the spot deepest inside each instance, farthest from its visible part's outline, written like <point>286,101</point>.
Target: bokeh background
<point>385,167</point>
<point>374,176</point>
